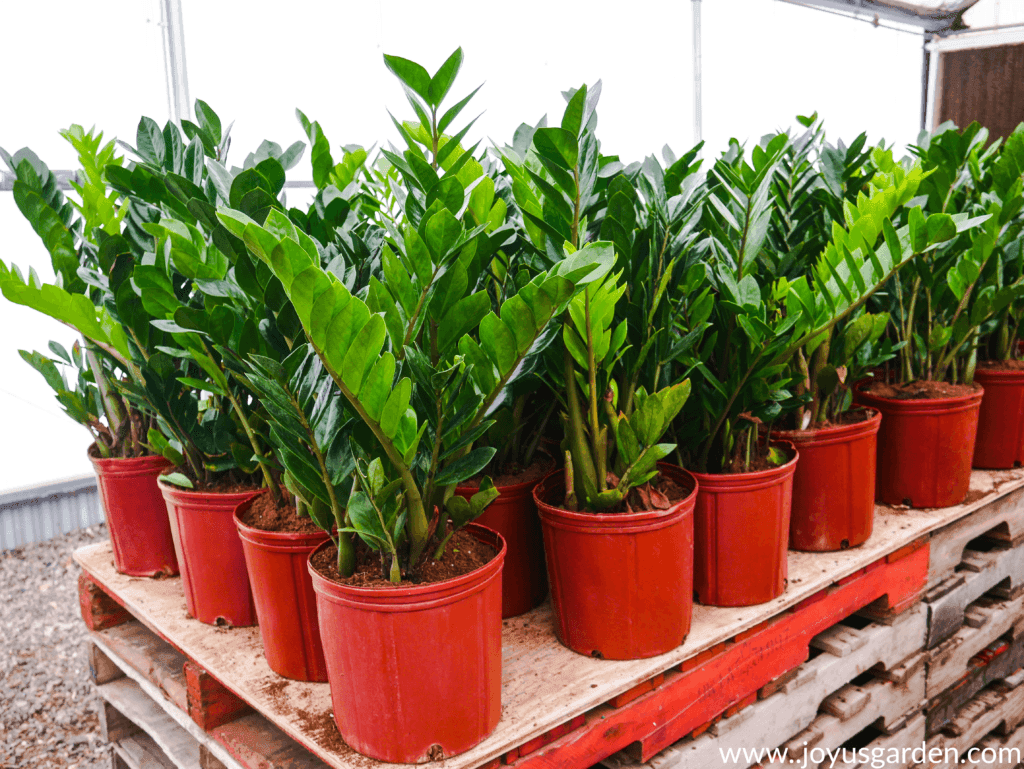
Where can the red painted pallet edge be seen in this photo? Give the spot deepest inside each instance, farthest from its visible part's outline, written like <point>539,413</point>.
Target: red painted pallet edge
<point>211,703</point>
<point>99,609</point>
<point>688,700</point>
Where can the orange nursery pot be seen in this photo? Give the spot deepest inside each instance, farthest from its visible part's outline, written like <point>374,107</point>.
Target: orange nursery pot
<point>621,583</point>
<point>1000,441</point>
<point>742,534</point>
<point>524,582</point>
<point>415,670</point>
<point>140,533</point>
<point>282,590</point>
<point>834,484</point>
<point>213,574</point>
<point>925,448</point>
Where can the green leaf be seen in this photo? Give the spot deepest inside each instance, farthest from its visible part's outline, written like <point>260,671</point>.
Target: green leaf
<point>208,120</point>
<point>178,479</point>
<point>557,145</point>
<point>367,522</point>
<point>149,141</point>
<point>572,119</point>
<point>363,353</point>
<point>410,73</point>
<point>442,80</point>
<point>465,467</point>
<point>394,409</point>
<point>499,342</point>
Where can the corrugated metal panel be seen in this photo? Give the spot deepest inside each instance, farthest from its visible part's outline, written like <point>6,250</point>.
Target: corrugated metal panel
<point>39,513</point>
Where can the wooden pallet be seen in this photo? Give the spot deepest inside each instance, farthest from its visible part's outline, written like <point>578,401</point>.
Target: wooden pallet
<point>978,572</point>
<point>145,692</point>
<point>561,709</point>
<point>895,745</point>
<point>986,620</point>
<point>791,703</point>
<point>1001,518</point>
<point>1000,659</point>
<point>996,711</point>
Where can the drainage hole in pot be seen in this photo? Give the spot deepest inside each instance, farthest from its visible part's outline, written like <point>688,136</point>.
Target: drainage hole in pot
<point>908,501</point>
<point>436,753</point>
<point>221,622</point>
<point>844,544</point>
<point>597,655</point>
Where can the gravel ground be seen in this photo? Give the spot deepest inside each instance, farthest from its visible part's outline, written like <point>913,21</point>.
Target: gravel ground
<point>47,706</point>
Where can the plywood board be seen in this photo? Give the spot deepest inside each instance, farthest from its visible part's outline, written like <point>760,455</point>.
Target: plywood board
<point>544,684</point>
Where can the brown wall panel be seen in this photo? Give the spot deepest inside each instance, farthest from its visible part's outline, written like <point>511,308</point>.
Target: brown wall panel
<point>983,84</point>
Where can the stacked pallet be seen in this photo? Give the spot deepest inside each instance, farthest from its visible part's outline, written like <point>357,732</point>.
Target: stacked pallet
<point>909,642</point>
<point>939,684</point>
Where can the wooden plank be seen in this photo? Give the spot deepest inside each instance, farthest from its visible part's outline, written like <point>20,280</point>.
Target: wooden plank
<point>1002,517</point>
<point>691,701</point>
<point>901,743</point>
<point>996,752</point>
<point>255,742</point>
<point>248,742</point>
<point>991,619</point>
<point>544,684</point>
<point>979,573</point>
<point>128,698</point>
<point>853,708</point>
<point>796,702</point>
<point>210,704</point>
<point>101,668</point>
<point>140,751</point>
<point>98,609</point>
<point>999,660</point>
<point>997,708</point>
<point>151,656</point>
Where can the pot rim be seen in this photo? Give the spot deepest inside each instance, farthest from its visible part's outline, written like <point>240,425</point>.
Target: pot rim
<point>835,433</point>
<point>276,540</point>
<point>771,474</point>
<point>414,597</point>
<point>1000,376</point>
<point>148,462</point>
<point>192,494</point>
<point>512,489</point>
<point>927,403</point>
<point>644,516</point>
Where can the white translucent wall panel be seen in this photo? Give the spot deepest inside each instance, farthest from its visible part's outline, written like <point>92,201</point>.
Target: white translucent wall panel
<point>763,63</point>
<point>989,13</point>
<point>96,63</point>
<point>766,62</point>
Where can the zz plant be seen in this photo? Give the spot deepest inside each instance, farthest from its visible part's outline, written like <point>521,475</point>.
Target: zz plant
<point>608,452</point>
<point>744,360</point>
<point>421,374</point>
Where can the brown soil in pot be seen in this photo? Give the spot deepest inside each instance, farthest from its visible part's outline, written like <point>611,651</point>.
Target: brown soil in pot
<point>919,390</point>
<point>263,514</point>
<point>225,484</point>
<point>1001,365</point>
<point>660,494</point>
<point>852,417</point>
<point>463,554</point>
<point>513,474</point>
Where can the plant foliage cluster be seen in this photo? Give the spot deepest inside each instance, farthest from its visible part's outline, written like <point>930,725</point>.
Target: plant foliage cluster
<point>442,311</point>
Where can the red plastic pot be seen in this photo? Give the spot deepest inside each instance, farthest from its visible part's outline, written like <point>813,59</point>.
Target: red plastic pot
<point>741,532</point>
<point>834,485</point>
<point>924,448</point>
<point>209,550</point>
<point>140,533</point>
<point>1000,441</point>
<point>415,670</point>
<point>622,583</point>
<point>283,593</point>
<point>524,581</point>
